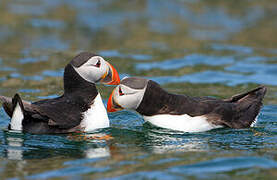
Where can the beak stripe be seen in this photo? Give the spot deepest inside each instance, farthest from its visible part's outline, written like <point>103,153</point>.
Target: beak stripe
<point>114,76</point>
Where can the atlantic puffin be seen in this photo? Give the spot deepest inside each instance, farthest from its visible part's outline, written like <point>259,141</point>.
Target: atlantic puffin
<point>80,108</point>
<point>185,113</point>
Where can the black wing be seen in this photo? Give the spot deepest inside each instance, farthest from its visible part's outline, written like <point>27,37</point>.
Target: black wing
<point>158,101</point>
<point>61,112</point>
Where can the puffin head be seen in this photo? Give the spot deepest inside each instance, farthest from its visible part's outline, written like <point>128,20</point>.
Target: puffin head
<point>94,69</point>
<point>128,94</point>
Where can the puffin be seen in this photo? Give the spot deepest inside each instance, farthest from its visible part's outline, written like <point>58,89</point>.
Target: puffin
<point>80,108</point>
<point>182,112</point>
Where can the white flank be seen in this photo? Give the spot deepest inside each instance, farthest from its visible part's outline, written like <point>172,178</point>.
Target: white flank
<point>184,122</point>
<point>17,117</point>
<point>96,116</point>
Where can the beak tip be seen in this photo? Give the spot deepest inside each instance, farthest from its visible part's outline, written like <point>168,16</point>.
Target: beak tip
<point>110,108</point>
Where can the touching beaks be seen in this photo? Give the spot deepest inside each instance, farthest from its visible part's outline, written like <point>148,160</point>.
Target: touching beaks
<point>111,77</point>
<point>112,106</point>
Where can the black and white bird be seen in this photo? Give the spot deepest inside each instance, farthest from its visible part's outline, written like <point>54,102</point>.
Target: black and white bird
<point>184,113</point>
<point>80,108</point>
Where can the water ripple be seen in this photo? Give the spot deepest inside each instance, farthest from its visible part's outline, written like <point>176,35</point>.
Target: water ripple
<point>49,42</point>
<point>226,43</point>
<point>40,23</point>
<point>189,60</point>
<point>82,161</point>
<point>235,48</point>
<point>51,73</point>
<point>230,79</point>
<point>20,76</point>
<point>203,169</point>
<point>261,69</point>
<point>65,172</point>
<point>116,53</point>
<point>225,164</point>
<point>32,59</point>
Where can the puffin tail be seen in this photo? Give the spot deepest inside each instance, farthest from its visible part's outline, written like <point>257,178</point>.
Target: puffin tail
<point>248,106</point>
<point>7,105</point>
<point>17,113</point>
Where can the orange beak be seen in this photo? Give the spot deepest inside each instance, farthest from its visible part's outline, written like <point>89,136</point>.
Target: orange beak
<point>111,77</point>
<point>111,107</point>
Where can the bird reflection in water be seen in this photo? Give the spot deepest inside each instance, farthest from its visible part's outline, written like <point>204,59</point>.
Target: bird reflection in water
<point>98,137</point>
<point>101,144</point>
<point>14,150</point>
<point>161,141</point>
<point>82,145</point>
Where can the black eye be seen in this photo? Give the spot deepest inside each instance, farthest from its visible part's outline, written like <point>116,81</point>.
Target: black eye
<point>98,64</point>
<point>120,92</point>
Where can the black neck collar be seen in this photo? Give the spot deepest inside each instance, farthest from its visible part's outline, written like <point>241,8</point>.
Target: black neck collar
<point>154,100</point>
<point>75,84</point>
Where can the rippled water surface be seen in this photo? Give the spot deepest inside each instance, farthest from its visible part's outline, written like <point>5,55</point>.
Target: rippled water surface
<point>193,47</point>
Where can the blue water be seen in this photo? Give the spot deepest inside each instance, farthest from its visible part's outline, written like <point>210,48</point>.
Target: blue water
<point>168,153</point>
<point>192,47</point>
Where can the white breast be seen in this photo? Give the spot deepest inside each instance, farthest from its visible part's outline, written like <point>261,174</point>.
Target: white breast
<point>96,116</point>
<point>184,122</point>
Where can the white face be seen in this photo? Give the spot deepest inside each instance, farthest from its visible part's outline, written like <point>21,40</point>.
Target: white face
<point>93,70</point>
<point>127,97</point>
